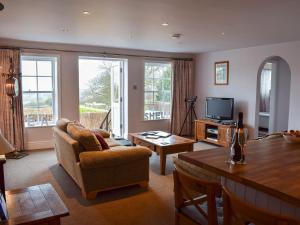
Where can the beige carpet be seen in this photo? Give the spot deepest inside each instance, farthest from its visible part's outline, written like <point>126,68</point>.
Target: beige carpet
<point>131,205</point>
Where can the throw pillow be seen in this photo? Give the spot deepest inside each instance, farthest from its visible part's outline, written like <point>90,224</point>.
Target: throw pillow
<point>84,136</point>
<point>104,133</point>
<point>103,143</point>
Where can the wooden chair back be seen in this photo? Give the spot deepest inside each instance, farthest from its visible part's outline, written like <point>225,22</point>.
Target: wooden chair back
<point>191,191</point>
<point>238,212</point>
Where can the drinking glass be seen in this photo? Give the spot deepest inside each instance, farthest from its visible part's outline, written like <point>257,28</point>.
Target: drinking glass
<point>229,135</point>
<point>229,140</point>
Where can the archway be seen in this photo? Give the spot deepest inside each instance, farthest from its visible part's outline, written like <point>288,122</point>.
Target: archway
<point>273,96</point>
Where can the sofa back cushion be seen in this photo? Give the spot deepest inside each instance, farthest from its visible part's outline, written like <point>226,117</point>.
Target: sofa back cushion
<point>84,136</point>
<point>62,124</point>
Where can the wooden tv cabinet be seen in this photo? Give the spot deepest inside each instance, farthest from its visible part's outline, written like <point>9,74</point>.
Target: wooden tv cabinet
<point>212,132</point>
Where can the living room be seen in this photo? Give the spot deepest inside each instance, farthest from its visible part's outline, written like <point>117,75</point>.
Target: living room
<point>80,39</point>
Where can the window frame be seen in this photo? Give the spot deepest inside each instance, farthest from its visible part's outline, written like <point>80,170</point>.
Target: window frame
<point>55,67</point>
<point>144,91</point>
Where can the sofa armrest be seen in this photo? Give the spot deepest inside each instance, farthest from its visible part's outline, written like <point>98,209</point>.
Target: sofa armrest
<point>111,158</point>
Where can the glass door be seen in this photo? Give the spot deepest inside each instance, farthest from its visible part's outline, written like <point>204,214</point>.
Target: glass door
<point>101,94</point>
<point>117,99</point>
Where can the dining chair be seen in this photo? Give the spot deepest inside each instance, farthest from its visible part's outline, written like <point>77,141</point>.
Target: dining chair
<point>238,212</point>
<point>197,199</point>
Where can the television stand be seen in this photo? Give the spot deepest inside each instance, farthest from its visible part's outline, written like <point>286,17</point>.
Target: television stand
<point>212,132</point>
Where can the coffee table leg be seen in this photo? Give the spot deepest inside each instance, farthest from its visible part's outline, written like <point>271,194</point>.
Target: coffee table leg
<point>190,148</point>
<point>162,157</point>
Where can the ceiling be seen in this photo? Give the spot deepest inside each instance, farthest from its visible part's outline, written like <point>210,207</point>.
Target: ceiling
<point>205,25</point>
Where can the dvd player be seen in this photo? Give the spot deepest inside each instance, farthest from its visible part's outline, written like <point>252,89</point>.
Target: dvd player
<point>212,131</point>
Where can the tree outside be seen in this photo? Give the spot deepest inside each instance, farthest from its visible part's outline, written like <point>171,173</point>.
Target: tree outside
<point>95,91</point>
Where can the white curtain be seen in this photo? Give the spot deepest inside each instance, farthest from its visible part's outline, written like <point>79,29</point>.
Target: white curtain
<point>265,90</point>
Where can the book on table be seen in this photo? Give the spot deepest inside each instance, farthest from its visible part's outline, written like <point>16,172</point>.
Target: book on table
<point>158,134</point>
<point>152,136</point>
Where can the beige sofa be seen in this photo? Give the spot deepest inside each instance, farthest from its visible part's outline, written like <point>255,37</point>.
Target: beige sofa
<point>95,171</point>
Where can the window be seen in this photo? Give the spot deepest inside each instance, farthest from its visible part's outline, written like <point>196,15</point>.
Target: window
<point>157,90</point>
<point>39,90</point>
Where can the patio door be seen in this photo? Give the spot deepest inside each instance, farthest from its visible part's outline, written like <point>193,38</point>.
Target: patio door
<point>101,93</point>
<point>117,99</point>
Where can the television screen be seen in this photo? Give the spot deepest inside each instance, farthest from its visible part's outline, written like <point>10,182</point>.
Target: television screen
<point>219,108</point>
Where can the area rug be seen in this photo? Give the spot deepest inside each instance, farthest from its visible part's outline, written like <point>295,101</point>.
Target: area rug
<point>131,205</point>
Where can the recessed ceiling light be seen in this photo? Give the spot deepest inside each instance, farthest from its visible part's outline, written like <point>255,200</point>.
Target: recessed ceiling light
<point>223,33</point>
<point>176,36</point>
<point>64,29</point>
<point>1,6</point>
<point>165,24</point>
<point>86,13</point>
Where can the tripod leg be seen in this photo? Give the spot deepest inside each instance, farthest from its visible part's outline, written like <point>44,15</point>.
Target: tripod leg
<point>195,115</point>
<point>187,114</point>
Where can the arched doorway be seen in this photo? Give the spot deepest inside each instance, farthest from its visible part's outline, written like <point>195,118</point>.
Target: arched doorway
<point>273,96</point>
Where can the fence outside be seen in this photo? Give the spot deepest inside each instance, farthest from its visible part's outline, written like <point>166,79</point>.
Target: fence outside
<point>92,120</point>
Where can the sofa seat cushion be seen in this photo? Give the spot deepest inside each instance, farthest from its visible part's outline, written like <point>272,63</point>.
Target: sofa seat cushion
<point>84,136</point>
<point>111,142</point>
<point>113,157</point>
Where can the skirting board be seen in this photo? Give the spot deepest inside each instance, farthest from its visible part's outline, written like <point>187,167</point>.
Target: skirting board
<point>34,145</point>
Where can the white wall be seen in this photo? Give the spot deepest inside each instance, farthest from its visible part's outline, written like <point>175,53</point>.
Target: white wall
<point>244,65</point>
<point>36,138</point>
<point>282,96</point>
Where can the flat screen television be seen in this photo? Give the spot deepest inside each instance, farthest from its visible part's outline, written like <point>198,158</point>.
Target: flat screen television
<point>219,108</point>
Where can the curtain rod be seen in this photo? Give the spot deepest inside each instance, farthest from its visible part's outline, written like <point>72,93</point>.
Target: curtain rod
<point>108,53</point>
<point>10,48</point>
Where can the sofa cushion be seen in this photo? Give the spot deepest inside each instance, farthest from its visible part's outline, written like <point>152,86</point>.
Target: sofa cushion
<point>103,132</point>
<point>62,124</point>
<point>99,137</point>
<point>84,136</point>
<point>113,157</point>
<point>111,142</point>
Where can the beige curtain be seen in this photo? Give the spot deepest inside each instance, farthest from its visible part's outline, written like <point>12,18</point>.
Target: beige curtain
<point>6,117</point>
<point>183,87</point>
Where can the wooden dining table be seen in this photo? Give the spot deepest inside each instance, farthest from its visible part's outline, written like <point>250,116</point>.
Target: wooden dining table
<point>270,179</point>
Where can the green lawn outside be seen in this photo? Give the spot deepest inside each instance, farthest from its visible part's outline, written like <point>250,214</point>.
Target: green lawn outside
<point>84,109</point>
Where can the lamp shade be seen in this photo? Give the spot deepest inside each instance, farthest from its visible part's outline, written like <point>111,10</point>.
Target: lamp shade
<point>5,146</point>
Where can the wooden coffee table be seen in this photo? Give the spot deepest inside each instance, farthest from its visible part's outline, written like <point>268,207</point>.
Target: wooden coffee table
<point>163,146</point>
<point>39,205</point>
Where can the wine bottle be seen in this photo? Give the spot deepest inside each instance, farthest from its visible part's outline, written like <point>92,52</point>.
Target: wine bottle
<point>236,150</point>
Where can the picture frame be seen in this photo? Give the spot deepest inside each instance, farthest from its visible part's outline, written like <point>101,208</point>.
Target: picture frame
<point>221,73</point>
